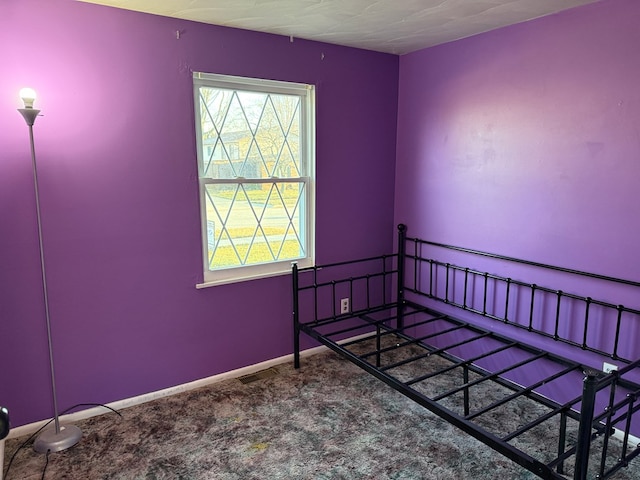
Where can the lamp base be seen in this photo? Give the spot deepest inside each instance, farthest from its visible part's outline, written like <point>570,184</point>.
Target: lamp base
<point>51,441</point>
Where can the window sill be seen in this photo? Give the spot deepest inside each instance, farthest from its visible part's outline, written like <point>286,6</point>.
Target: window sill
<point>243,278</point>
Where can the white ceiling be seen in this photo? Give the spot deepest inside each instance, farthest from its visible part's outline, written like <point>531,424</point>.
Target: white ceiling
<point>392,26</point>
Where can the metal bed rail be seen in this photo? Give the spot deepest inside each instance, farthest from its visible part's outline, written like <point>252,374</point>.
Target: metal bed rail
<point>476,291</point>
<point>370,284</point>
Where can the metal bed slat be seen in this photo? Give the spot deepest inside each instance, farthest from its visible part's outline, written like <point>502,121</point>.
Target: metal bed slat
<point>393,331</point>
<point>378,322</point>
<point>519,394</point>
<point>417,340</point>
<point>501,338</point>
<point>340,318</point>
<point>433,352</point>
<point>464,363</point>
<point>349,329</point>
<point>509,451</point>
<point>492,375</point>
<point>478,432</point>
<point>534,423</point>
<point>369,323</point>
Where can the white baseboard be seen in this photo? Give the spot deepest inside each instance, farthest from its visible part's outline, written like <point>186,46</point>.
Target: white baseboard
<point>185,387</point>
<point>148,397</point>
<point>619,435</point>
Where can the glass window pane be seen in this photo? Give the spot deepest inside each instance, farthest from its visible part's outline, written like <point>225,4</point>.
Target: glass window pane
<point>249,134</point>
<point>250,224</point>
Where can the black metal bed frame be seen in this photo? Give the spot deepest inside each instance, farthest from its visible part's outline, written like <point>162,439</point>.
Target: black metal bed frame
<point>392,328</point>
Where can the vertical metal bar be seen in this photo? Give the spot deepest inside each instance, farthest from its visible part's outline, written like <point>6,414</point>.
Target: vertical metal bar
<point>464,294</point>
<point>533,294</point>
<point>446,284</point>
<point>484,299</point>
<point>603,457</point>
<point>402,236</point>
<point>368,291</point>
<point>618,325</point>
<point>506,301</point>
<point>351,302</point>
<point>557,326</point>
<point>415,266</point>
<point>562,441</point>
<point>625,442</point>
<point>586,322</point>
<point>465,378</point>
<point>431,277</point>
<point>296,316</point>
<point>333,297</point>
<point>608,427</point>
<point>378,346</point>
<point>586,420</point>
<point>384,279</point>
<point>315,293</point>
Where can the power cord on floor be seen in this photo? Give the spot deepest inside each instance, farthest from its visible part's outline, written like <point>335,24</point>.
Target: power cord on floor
<point>6,473</point>
<point>46,464</point>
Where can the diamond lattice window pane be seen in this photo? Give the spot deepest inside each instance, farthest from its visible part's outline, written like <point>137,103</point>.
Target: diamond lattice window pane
<point>250,224</point>
<point>249,134</point>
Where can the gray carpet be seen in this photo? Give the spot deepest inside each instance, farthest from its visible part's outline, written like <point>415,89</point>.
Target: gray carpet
<point>328,420</point>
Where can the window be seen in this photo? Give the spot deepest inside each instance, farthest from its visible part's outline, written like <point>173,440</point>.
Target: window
<point>256,164</point>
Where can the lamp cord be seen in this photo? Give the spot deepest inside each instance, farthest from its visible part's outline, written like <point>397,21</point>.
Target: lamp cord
<point>33,435</point>
<point>46,464</point>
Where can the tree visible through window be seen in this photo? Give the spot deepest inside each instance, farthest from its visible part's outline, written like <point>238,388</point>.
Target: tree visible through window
<point>256,165</point>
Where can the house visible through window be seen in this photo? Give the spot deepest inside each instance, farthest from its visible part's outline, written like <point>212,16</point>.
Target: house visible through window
<point>256,163</point>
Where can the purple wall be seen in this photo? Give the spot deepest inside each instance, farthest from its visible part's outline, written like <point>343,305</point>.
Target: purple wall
<point>525,140</point>
<point>118,178</point>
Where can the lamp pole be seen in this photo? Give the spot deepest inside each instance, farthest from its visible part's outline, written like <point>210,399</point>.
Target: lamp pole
<point>58,438</point>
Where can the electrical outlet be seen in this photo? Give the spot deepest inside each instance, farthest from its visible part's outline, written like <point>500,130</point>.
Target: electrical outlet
<point>609,367</point>
<point>344,305</point>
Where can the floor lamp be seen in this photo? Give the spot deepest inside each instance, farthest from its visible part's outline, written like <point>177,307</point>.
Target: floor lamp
<point>58,438</point>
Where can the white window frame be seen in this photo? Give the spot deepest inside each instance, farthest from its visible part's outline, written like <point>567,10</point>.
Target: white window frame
<point>307,162</point>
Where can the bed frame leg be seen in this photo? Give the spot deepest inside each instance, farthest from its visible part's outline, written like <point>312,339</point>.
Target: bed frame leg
<point>586,421</point>
<point>562,441</point>
<point>296,349</point>
<point>402,239</point>
<point>296,316</point>
<point>465,380</point>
